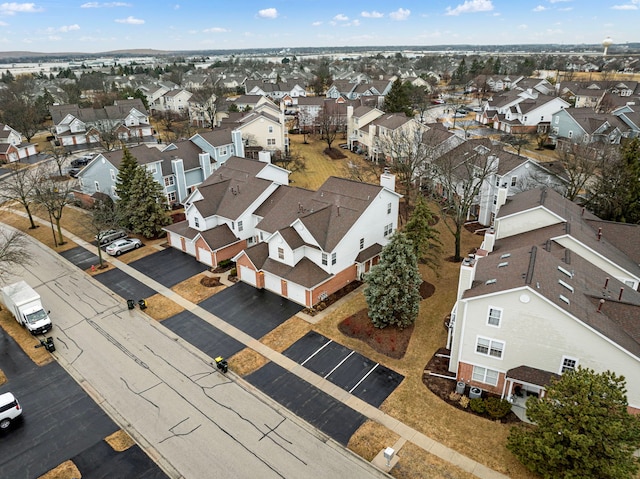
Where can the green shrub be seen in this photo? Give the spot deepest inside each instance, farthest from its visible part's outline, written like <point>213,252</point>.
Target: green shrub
<point>233,272</point>
<point>225,263</point>
<point>497,408</point>
<point>477,405</point>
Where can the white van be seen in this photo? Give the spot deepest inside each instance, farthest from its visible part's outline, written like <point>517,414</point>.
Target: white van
<point>10,410</point>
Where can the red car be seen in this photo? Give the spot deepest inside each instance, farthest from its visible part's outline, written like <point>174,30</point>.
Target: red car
<point>437,101</point>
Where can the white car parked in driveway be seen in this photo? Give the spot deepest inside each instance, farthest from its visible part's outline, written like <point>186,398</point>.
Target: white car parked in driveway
<point>123,245</point>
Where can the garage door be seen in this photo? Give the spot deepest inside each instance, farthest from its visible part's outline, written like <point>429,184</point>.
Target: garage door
<point>191,247</point>
<point>204,256</point>
<point>248,275</point>
<point>297,293</point>
<point>272,283</point>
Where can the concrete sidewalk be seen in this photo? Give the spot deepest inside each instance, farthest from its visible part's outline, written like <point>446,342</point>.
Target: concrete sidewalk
<point>406,433</point>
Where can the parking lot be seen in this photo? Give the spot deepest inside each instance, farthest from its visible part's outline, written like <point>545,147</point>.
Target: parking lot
<point>356,374</point>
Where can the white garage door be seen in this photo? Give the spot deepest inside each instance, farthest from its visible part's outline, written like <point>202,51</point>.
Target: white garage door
<point>191,247</point>
<point>297,293</point>
<point>204,256</point>
<point>272,283</point>
<point>248,275</point>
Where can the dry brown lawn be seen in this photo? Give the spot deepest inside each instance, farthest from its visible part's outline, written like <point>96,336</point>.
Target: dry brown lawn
<point>415,462</point>
<point>160,307</point>
<point>319,166</point>
<point>370,439</point>
<point>120,441</point>
<point>66,470</point>
<point>286,334</point>
<point>246,361</point>
<point>192,290</point>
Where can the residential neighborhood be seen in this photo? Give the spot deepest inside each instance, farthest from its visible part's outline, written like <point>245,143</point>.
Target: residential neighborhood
<point>233,210</point>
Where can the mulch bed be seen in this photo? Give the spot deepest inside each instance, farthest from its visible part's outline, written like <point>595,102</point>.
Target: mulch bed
<point>334,153</point>
<point>390,341</point>
<point>442,387</point>
<point>210,281</point>
<point>332,298</point>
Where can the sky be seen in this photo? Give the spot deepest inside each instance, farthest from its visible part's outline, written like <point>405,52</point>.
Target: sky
<point>99,26</point>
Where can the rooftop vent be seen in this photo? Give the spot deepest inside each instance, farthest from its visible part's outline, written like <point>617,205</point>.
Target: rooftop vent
<point>506,255</point>
<point>503,264</point>
<point>564,271</point>
<point>491,281</point>
<point>564,299</point>
<point>566,285</point>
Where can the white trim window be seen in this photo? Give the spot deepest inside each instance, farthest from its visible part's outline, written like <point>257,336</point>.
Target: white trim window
<point>334,258</point>
<point>171,197</point>
<point>240,226</point>
<point>280,253</point>
<point>568,364</point>
<point>489,347</point>
<point>485,375</point>
<point>325,259</point>
<point>169,180</point>
<point>388,229</point>
<point>494,317</point>
<point>112,173</point>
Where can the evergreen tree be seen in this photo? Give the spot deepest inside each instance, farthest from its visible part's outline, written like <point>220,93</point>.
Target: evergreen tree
<point>583,431</point>
<point>393,285</point>
<point>497,66</point>
<point>147,206</point>
<point>126,171</point>
<point>398,100</point>
<point>460,74</point>
<point>425,238</point>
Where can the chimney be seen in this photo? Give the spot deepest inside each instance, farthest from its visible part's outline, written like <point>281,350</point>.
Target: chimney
<point>264,156</point>
<point>489,240</point>
<point>388,180</point>
<point>600,305</point>
<point>467,274</point>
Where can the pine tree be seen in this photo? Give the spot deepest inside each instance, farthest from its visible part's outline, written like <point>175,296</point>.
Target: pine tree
<point>147,206</point>
<point>424,237</point>
<point>397,100</point>
<point>393,285</point>
<point>583,429</point>
<point>126,171</point>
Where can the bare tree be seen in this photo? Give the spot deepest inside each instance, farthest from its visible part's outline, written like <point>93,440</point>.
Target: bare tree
<point>108,137</point>
<point>207,101</point>
<point>581,164</point>
<point>330,122</point>
<point>59,155</point>
<point>54,193</point>
<point>21,186</point>
<point>102,216</point>
<point>458,178</point>
<point>13,250</point>
<point>407,155</point>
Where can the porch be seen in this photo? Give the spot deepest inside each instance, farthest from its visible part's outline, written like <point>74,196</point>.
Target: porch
<point>524,382</point>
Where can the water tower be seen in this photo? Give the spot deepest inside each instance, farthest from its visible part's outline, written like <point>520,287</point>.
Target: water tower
<point>606,43</point>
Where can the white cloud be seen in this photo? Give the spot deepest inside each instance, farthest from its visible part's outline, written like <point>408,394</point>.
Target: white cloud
<point>104,5</point>
<point>355,23</point>
<point>540,8</point>
<point>400,14</point>
<point>215,30</point>
<point>558,1</point>
<point>54,38</point>
<point>268,13</point>
<point>341,17</point>
<point>69,28</point>
<point>12,8</point>
<point>628,6</point>
<point>523,26</point>
<point>130,20</point>
<point>316,24</point>
<point>471,6</point>
<point>372,14</point>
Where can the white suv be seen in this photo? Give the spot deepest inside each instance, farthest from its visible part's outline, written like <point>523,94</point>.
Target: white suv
<point>9,410</point>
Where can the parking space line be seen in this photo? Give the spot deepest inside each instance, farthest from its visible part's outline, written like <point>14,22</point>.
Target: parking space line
<point>364,377</point>
<point>316,352</point>
<point>339,364</point>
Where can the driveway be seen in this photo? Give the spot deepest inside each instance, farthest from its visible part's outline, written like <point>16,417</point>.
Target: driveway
<point>80,257</point>
<point>207,338</point>
<point>169,266</point>
<point>253,311</point>
<point>124,285</point>
<point>60,422</point>
<point>332,417</point>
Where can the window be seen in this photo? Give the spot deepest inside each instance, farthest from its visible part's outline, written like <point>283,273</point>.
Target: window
<point>113,174</point>
<point>240,226</point>
<point>270,129</point>
<point>495,199</point>
<point>361,243</point>
<point>171,197</point>
<point>223,151</point>
<point>152,169</point>
<point>514,180</point>
<point>570,135</point>
<point>280,253</point>
<point>271,142</point>
<point>557,119</point>
<point>388,229</point>
<point>485,375</point>
<point>97,185</point>
<point>333,258</point>
<point>168,180</point>
<point>490,347</point>
<point>568,364</point>
<point>325,259</point>
<point>495,315</point>
<point>388,208</point>
<point>196,222</point>
<point>233,225</point>
<point>524,120</point>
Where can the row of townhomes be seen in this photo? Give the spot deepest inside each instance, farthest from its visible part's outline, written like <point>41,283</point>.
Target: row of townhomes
<point>12,148</point>
<point>552,287</point>
<point>303,245</point>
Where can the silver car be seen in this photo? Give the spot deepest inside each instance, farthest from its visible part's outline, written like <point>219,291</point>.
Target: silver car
<point>106,237</point>
<point>123,245</point>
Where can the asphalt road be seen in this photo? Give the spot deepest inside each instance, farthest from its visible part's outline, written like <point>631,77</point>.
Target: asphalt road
<point>168,396</point>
